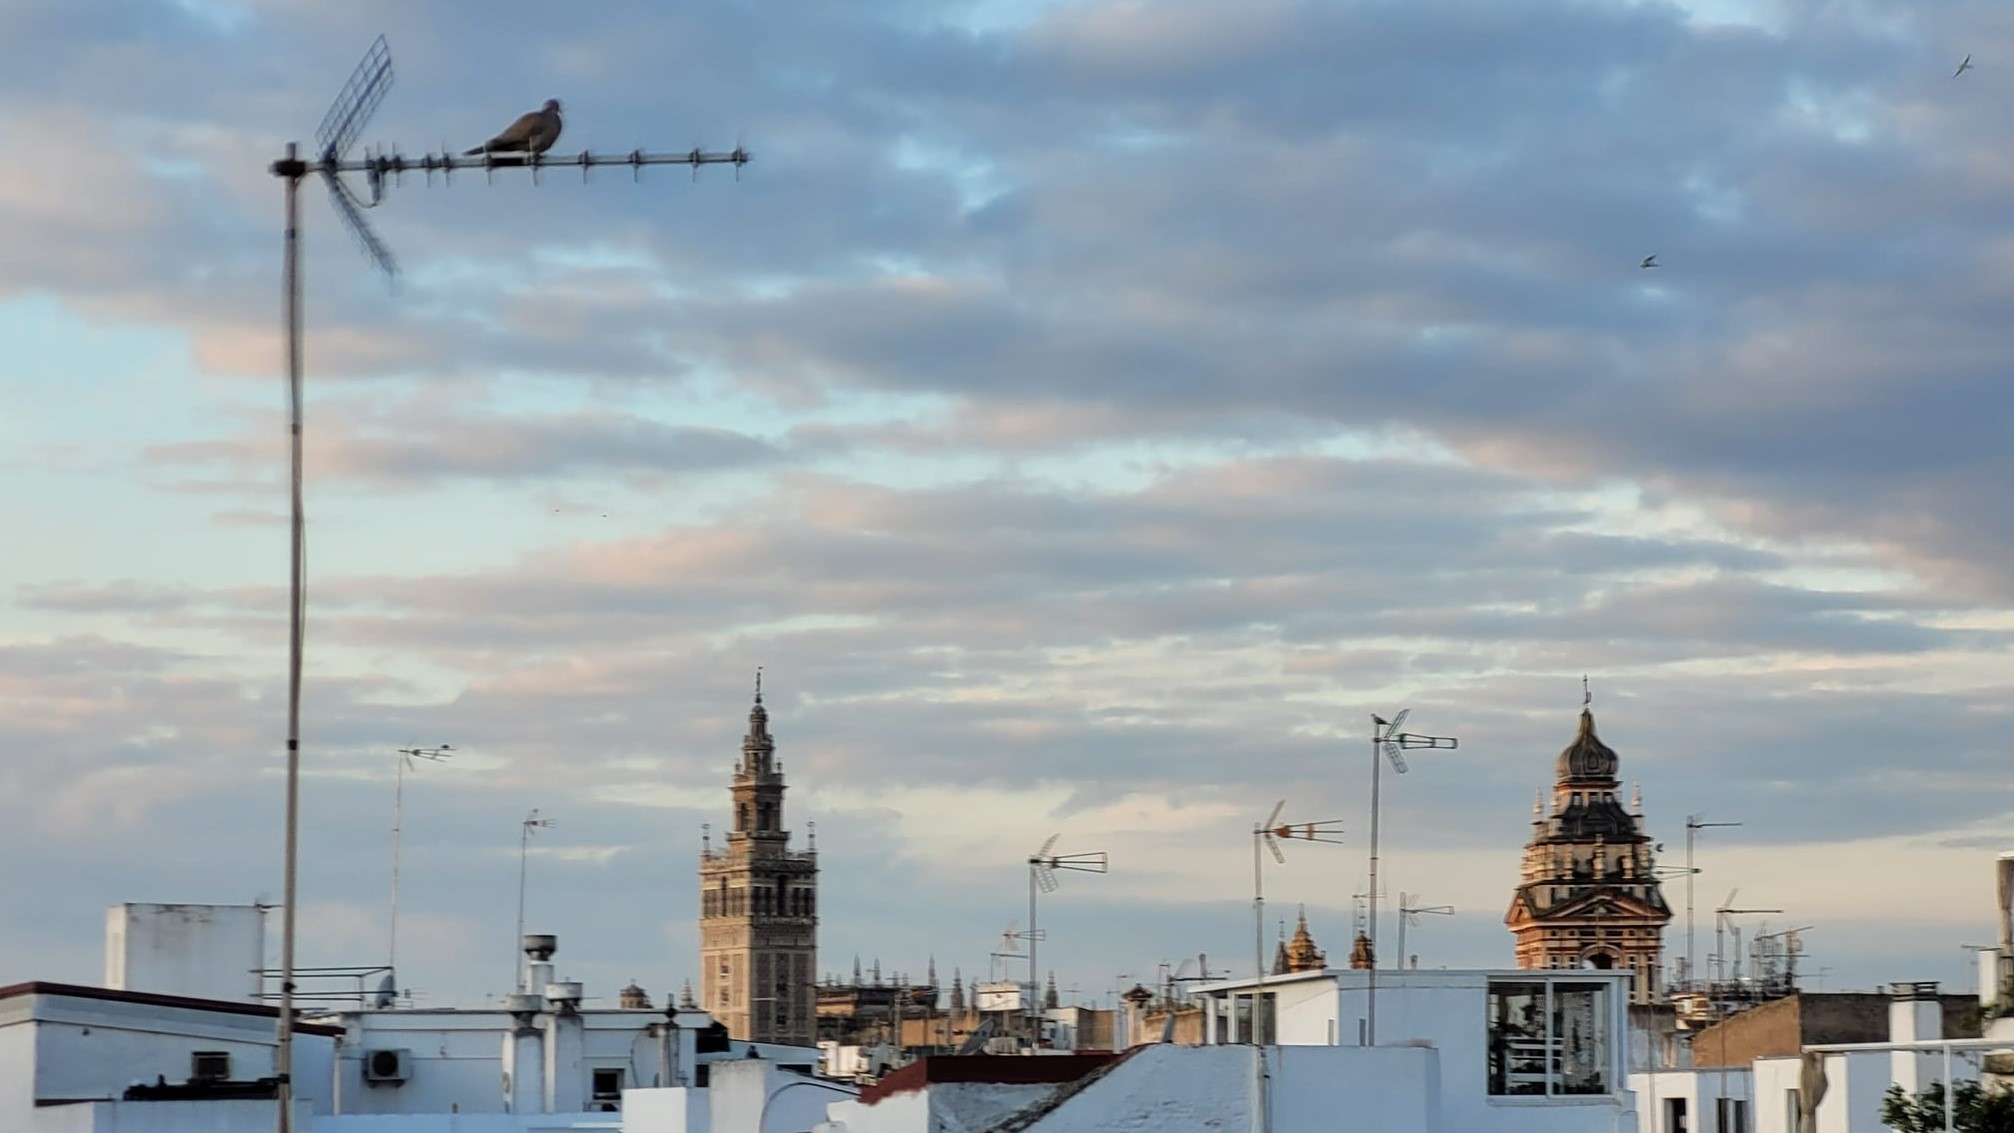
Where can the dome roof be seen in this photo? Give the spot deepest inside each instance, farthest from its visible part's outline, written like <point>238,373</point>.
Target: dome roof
<point>1587,758</point>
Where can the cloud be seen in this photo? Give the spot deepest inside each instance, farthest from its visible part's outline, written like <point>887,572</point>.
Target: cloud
<point>1089,414</point>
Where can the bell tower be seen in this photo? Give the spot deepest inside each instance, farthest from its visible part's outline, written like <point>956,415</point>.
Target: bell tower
<point>1588,894</point>
<point>758,907</point>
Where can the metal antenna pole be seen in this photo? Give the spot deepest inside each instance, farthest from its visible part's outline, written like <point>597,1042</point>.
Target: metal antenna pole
<point>1386,739</point>
<point>1269,833</point>
<point>1259,890</point>
<point>1042,867</point>
<point>1034,942</point>
<point>1409,913</point>
<point>338,132</point>
<point>283,1057</point>
<point>406,757</point>
<point>1693,824</point>
<point>531,822</point>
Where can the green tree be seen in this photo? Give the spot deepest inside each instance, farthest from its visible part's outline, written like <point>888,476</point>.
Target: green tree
<point>1973,1110</point>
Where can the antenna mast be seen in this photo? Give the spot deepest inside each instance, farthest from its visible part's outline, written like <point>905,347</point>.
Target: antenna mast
<point>334,139</point>
<point>1042,867</point>
<point>406,756</point>
<point>1694,823</point>
<point>1389,741</point>
<point>1409,914</point>
<point>1269,833</point>
<point>532,823</point>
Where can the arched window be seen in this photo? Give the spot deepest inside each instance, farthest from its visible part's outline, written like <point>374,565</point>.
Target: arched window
<point>741,817</point>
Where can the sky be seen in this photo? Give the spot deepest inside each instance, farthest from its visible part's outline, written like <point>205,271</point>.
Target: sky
<point>1087,412</point>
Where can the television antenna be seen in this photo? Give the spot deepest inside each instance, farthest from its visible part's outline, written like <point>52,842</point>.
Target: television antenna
<point>1043,865</point>
<point>1390,742</point>
<point>1358,922</point>
<point>1694,823</point>
<point>1722,922</point>
<point>1010,946</point>
<point>335,139</point>
<point>532,824</point>
<point>406,756</point>
<point>1269,833</point>
<point>1409,914</point>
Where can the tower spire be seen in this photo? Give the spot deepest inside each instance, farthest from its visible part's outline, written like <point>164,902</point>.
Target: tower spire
<point>1586,693</point>
<point>758,684</point>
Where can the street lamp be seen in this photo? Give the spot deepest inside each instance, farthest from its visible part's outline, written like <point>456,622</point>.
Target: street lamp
<point>406,756</point>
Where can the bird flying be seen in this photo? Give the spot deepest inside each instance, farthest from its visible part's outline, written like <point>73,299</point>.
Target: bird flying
<point>1963,67</point>
<point>1650,262</point>
<point>531,133</point>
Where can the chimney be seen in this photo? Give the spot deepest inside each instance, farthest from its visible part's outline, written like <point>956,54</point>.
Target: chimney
<point>565,1049</point>
<point>539,949</point>
<point>1915,1014</point>
<point>1136,1014</point>
<point>524,1055</point>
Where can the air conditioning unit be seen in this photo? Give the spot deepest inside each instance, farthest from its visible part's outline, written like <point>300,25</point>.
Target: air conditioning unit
<point>387,1067</point>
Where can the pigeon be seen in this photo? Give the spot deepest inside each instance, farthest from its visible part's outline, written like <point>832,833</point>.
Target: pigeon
<point>1963,67</point>
<point>534,133</point>
<point>1650,262</point>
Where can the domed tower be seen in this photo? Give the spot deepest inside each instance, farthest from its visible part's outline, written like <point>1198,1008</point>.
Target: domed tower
<point>1588,895</point>
<point>758,907</point>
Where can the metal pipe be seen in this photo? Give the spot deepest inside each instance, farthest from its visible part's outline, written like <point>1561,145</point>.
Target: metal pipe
<point>283,1058</point>
<point>398,821</point>
<point>1034,981</point>
<point>1990,1045</point>
<point>1950,1088</point>
<point>1258,910</point>
<point>395,165</point>
<point>1371,925</point>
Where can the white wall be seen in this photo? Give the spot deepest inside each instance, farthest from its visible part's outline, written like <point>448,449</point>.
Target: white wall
<point>1701,1090</point>
<point>1307,1014</point>
<point>95,1048</point>
<point>205,951</point>
<point>457,1057</point>
<point>235,1115</point>
<point>1450,1010</point>
<point>750,1095</point>
<point>675,1109</point>
<point>899,1113</point>
<point>1396,1089</point>
<point>1855,1084</point>
<point>1375,1090</point>
<point>17,1060</point>
<point>459,1123</point>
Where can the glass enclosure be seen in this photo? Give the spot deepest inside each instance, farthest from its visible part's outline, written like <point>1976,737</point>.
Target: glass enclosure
<point>1549,1039</point>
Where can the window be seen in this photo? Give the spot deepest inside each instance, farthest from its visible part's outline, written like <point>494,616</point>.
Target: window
<point>1793,1108</point>
<point>1549,1039</point>
<point>606,1096</point>
<point>210,1066</point>
<point>1256,1018</point>
<point>1731,1115</point>
<point>1674,1115</point>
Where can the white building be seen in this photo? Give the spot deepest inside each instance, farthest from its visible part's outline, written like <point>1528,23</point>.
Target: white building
<point>114,1060</point>
<point>1459,1052</point>
<point>82,1059</point>
<point>1719,1100</point>
<point>202,951</point>
<point>541,1054</point>
<point>1843,1083</point>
